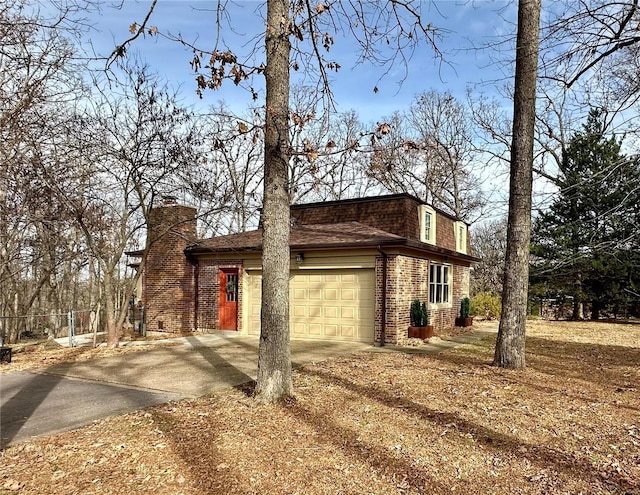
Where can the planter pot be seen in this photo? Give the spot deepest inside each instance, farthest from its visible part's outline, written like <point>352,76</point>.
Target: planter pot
<point>421,332</point>
<point>464,322</point>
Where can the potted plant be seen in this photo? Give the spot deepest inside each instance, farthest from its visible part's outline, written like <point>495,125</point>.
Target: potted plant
<point>420,328</point>
<point>464,320</point>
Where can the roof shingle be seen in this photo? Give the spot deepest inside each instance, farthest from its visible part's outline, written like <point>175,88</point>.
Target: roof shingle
<point>348,234</point>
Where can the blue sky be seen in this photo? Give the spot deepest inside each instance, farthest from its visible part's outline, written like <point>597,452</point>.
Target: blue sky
<point>467,23</point>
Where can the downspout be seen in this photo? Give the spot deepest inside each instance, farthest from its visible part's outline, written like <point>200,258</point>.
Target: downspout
<point>196,291</point>
<point>383,323</point>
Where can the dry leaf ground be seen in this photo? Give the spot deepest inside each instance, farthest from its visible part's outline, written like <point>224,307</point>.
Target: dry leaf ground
<point>48,353</point>
<point>379,423</point>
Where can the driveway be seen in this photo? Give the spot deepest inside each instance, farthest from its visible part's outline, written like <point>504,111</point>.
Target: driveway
<point>72,395</point>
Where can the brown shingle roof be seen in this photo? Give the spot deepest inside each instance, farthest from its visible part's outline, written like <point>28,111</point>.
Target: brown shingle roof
<point>348,234</point>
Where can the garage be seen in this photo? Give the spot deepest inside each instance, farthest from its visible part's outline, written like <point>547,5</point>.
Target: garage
<point>324,304</point>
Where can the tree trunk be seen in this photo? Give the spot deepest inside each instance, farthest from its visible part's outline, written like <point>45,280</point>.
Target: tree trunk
<point>595,310</point>
<point>274,359</point>
<point>578,310</point>
<point>510,345</point>
<point>578,306</point>
<point>113,337</point>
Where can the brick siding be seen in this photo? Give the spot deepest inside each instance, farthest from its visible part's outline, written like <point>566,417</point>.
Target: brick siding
<point>398,215</point>
<point>181,295</point>
<point>208,276</point>
<point>408,279</point>
<point>169,277</point>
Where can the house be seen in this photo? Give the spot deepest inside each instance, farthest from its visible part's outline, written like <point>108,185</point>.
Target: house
<point>356,265</point>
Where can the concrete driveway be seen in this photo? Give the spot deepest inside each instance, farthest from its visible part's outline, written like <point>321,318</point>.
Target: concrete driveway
<point>72,395</point>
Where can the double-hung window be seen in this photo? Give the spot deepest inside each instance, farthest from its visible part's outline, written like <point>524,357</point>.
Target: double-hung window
<point>427,224</point>
<point>439,283</point>
<point>460,233</point>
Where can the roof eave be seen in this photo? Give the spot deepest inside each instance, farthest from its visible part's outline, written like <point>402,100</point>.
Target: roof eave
<point>382,243</point>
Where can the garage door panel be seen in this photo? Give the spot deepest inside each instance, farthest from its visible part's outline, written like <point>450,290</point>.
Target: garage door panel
<point>298,329</point>
<point>315,293</point>
<point>347,331</point>
<point>330,330</point>
<point>330,311</point>
<point>348,312</point>
<point>315,329</point>
<point>329,304</point>
<point>348,278</point>
<point>315,311</point>
<point>348,294</point>
<point>331,294</point>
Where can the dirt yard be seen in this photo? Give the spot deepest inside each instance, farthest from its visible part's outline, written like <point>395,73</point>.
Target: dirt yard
<point>379,423</point>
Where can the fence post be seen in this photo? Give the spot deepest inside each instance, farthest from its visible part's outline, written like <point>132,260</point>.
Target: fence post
<point>143,328</point>
<point>72,328</point>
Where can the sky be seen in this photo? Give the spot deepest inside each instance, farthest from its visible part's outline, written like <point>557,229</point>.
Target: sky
<point>465,24</point>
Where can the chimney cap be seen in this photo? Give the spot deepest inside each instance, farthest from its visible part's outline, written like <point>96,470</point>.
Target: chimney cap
<point>169,200</point>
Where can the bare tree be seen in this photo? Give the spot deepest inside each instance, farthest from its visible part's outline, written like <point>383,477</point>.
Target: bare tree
<point>37,83</point>
<point>598,39</point>
<point>330,151</point>
<point>431,152</point>
<point>489,242</point>
<point>227,186</point>
<point>133,140</point>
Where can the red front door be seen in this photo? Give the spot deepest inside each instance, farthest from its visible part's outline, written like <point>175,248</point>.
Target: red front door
<point>228,299</point>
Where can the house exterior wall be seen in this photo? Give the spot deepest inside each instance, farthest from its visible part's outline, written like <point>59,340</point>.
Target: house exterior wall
<point>169,277</point>
<point>408,279</point>
<point>208,293</point>
<point>396,214</point>
<point>181,295</point>
<point>445,233</point>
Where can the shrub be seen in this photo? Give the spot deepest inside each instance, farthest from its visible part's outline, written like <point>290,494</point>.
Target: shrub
<point>465,307</point>
<point>418,313</point>
<point>486,305</point>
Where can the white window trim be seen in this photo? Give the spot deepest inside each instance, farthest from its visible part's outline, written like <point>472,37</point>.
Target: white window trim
<point>460,235</point>
<point>428,237</point>
<point>449,283</point>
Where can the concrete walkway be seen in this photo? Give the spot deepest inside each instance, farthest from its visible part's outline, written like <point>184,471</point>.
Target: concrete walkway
<point>72,395</point>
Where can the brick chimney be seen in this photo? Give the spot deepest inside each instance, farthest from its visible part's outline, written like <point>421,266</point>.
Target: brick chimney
<point>169,277</point>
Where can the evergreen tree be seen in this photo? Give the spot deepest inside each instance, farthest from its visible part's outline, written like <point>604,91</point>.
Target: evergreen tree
<point>585,245</point>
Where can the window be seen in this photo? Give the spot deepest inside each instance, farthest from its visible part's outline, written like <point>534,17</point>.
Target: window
<point>439,285</point>
<point>232,287</point>
<point>461,236</point>
<point>427,224</point>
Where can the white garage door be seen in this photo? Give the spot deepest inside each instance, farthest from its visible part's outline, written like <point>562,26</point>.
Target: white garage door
<point>325,304</point>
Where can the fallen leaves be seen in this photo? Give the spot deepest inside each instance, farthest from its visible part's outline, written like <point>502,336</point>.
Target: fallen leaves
<point>12,485</point>
<point>383,423</point>
<point>44,355</point>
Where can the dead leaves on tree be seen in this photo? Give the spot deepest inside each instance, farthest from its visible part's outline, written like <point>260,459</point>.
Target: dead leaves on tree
<point>218,66</point>
<point>135,28</point>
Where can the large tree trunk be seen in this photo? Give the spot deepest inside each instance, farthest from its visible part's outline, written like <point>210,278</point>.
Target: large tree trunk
<point>510,345</point>
<point>274,359</point>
